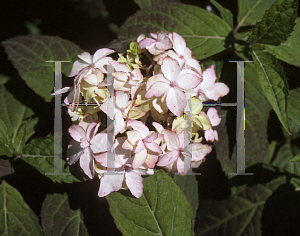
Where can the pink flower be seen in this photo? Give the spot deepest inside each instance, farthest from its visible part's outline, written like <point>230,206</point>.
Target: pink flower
<point>208,89</point>
<point>123,172</point>
<point>171,84</point>
<point>179,151</point>
<point>210,134</point>
<point>182,53</point>
<point>159,44</point>
<point>85,145</point>
<point>145,145</point>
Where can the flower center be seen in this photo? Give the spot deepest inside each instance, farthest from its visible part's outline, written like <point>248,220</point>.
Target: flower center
<point>173,84</point>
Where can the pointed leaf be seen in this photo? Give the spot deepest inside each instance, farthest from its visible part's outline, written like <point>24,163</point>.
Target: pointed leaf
<point>294,106</point>
<point>295,159</point>
<point>205,36</point>
<point>251,11</point>
<point>59,219</point>
<point>16,218</point>
<point>225,13</point>
<point>15,115</point>
<point>147,3</point>
<point>29,55</point>
<point>161,210</point>
<point>288,51</point>
<point>189,185</point>
<point>238,215</point>
<point>277,23</point>
<point>6,147</point>
<point>39,153</point>
<point>273,83</point>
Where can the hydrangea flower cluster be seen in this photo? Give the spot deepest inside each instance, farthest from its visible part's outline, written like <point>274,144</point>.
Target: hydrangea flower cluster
<point>155,80</point>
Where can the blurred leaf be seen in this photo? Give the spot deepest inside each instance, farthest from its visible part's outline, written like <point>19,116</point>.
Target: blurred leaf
<point>238,215</point>
<point>251,11</point>
<point>39,153</point>
<point>189,186</point>
<point>29,55</point>
<point>295,159</point>
<point>15,115</point>
<point>161,210</point>
<point>206,35</point>
<point>273,83</point>
<point>5,168</point>
<point>288,51</point>
<point>294,105</point>
<point>271,151</point>
<point>147,3</point>
<point>3,79</point>
<point>16,218</point>
<point>59,219</point>
<point>225,13</point>
<point>6,147</point>
<point>277,23</point>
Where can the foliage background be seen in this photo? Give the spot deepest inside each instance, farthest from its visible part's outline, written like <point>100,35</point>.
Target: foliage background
<point>91,27</point>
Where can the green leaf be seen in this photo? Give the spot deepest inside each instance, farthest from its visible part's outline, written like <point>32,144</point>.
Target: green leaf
<point>238,215</point>
<point>15,115</point>
<point>277,23</point>
<point>147,3</point>
<point>29,55</point>
<point>294,105</point>
<point>216,61</point>
<point>204,32</point>
<point>273,83</point>
<point>16,218</point>
<point>282,160</point>
<point>225,13</point>
<point>20,140</point>
<point>288,51</point>
<point>295,159</point>
<point>59,219</point>
<point>251,11</point>
<point>189,186</point>
<point>5,168</point>
<point>161,210</point>
<point>39,153</point>
<point>6,147</point>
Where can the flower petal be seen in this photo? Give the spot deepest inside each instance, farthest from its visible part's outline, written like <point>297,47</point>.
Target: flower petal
<point>184,165</point>
<point>139,159</point>
<point>134,182</point>
<point>171,139</point>
<point>74,152</point>
<point>87,162</point>
<point>110,183</point>
<point>102,159</point>
<point>122,99</point>
<point>176,101</point>
<point>216,91</point>
<point>200,150</point>
<point>153,147</point>
<point>77,132</point>
<point>170,69</point>
<point>99,143</point>
<point>168,158</point>
<point>179,43</point>
<point>100,53</point>
<point>139,126</point>
<point>188,79</point>
<point>157,89</point>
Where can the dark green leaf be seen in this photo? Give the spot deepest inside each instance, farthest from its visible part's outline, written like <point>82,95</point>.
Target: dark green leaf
<point>288,51</point>
<point>294,105</point>
<point>189,186</point>
<point>239,215</point>
<point>6,147</point>
<point>3,79</point>
<point>225,13</point>
<point>59,219</point>
<point>295,159</point>
<point>251,11</point>
<point>277,23</point>
<point>15,115</point>
<point>147,3</point>
<point>39,153</point>
<point>16,218</point>
<point>5,168</point>
<point>29,55</point>
<point>161,210</point>
<point>273,83</point>
<point>204,32</point>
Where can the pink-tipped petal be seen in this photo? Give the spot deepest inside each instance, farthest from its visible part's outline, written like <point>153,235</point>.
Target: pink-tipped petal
<point>122,99</point>
<point>139,159</point>
<point>200,150</point>
<point>168,158</point>
<point>74,152</point>
<point>153,147</point>
<point>87,162</point>
<point>171,139</point>
<point>99,143</point>
<point>188,80</point>
<point>183,166</point>
<point>110,183</point>
<point>102,159</point>
<point>92,79</point>
<point>170,69</point>
<point>179,43</point>
<point>100,53</point>
<point>157,89</point>
<point>213,116</point>
<point>151,160</point>
<point>216,91</point>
